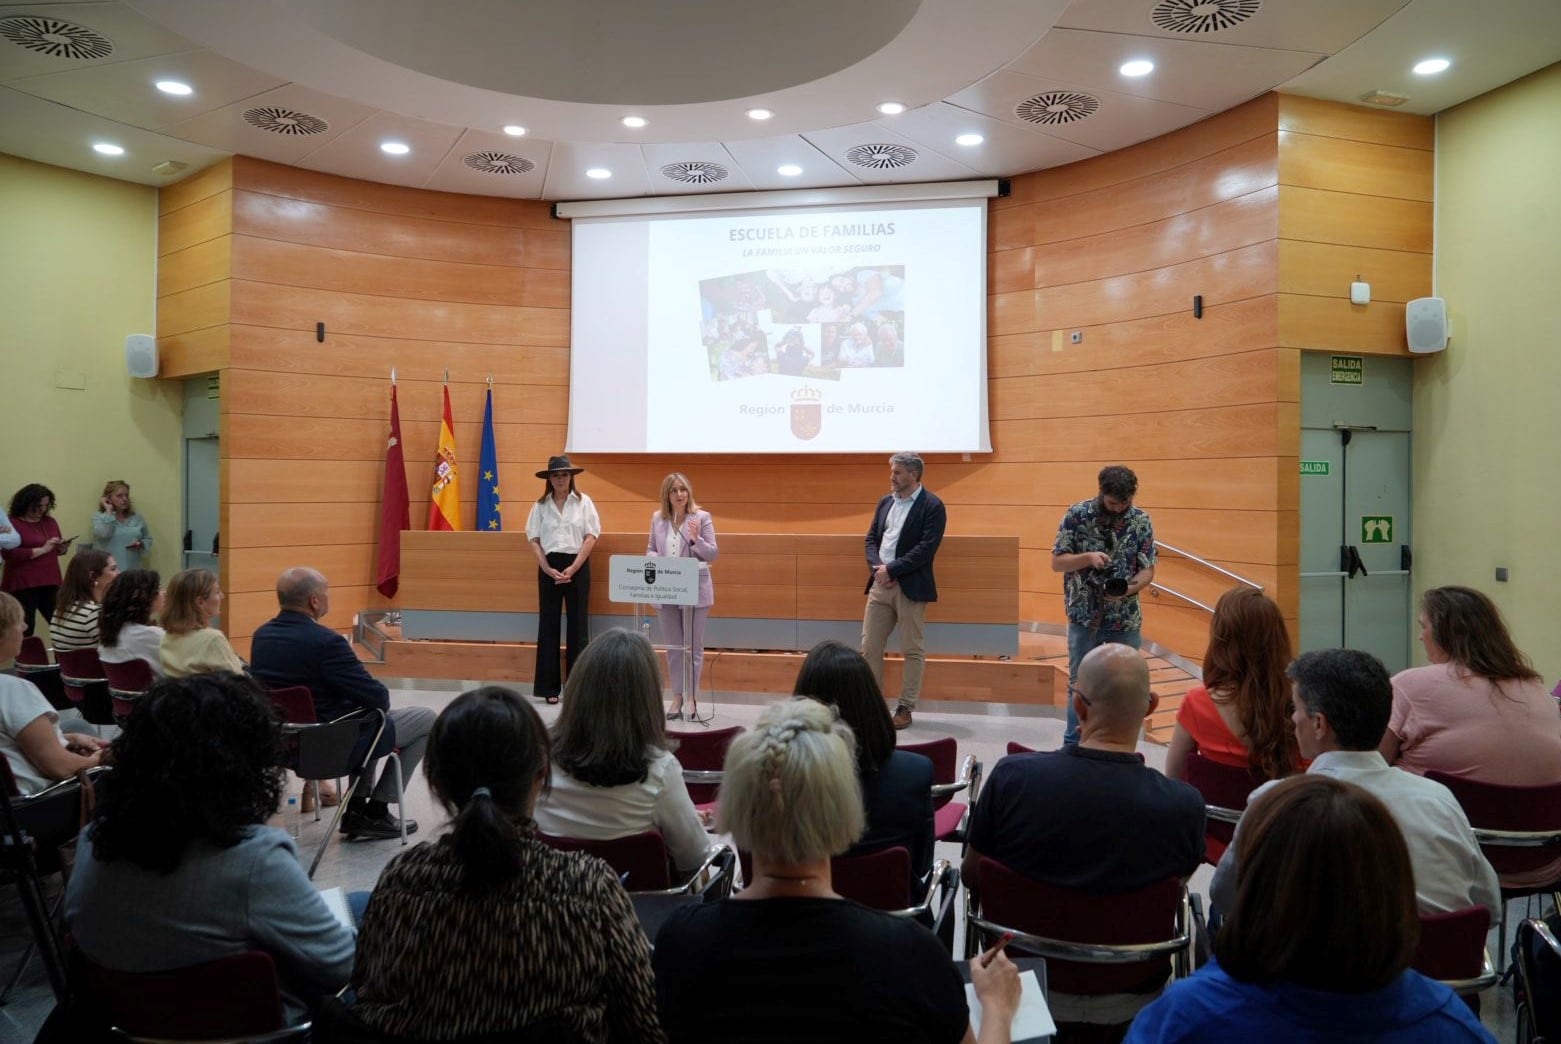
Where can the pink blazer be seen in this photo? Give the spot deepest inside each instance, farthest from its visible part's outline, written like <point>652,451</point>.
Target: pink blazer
<point>702,547</point>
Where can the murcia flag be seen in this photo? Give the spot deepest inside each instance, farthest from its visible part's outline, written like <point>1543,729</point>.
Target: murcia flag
<point>395,512</point>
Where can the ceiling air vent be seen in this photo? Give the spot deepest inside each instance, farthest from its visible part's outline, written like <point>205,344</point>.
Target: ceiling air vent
<point>284,121</point>
<point>881,157</point>
<point>1055,107</point>
<point>1202,16</point>
<point>695,173</point>
<point>55,38</point>
<point>498,163</point>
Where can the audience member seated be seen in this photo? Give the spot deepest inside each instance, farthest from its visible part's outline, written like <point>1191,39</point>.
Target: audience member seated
<point>294,648</point>
<point>1318,943</point>
<point>75,621</point>
<point>487,930</point>
<point>789,959</point>
<point>1240,715</point>
<point>612,774</point>
<point>30,738</point>
<point>896,785</point>
<point>32,560</point>
<point>190,644</point>
<point>125,628</point>
<point>1092,816</point>
<point>179,868</point>
<point>1342,701</point>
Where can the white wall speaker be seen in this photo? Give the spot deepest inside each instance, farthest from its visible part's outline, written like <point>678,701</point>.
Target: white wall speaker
<point>141,355</point>
<point>1425,324</point>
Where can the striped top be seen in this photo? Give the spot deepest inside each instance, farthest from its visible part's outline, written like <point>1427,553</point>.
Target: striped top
<point>75,626</point>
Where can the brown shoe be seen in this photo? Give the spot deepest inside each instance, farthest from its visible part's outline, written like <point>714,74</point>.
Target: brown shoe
<point>902,717</point>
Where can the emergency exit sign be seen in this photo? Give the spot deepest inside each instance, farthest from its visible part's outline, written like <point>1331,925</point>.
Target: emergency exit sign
<point>1376,529</point>
<point>1346,369</point>
<point>1314,467</point>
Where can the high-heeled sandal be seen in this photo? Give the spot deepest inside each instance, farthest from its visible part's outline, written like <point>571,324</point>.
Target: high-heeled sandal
<point>676,715</point>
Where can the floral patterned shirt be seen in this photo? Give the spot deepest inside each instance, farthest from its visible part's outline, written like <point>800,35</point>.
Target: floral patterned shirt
<point>1131,546</point>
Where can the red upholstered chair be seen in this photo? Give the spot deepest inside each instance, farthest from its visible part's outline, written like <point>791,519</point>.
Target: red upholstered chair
<point>643,863</point>
<point>126,683</point>
<point>949,815</point>
<point>85,684</point>
<point>1225,790</point>
<point>883,880</point>
<point>702,755</point>
<point>1452,949</point>
<point>1019,748</point>
<point>1519,830</point>
<point>1125,943</point>
<point>33,663</point>
<point>234,998</point>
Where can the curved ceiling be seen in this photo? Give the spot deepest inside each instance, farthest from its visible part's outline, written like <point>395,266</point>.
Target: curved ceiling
<point>990,88</point>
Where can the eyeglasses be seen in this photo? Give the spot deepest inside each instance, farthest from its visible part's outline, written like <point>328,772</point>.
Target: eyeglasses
<point>1074,690</point>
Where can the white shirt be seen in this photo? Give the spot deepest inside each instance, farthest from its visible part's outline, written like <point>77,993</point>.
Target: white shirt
<point>21,704</point>
<point>1451,873</point>
<point>661,802</point>
<point>899,511</point>
<point>136,642</point>
<point>565,530</point>
<point>9,537</point>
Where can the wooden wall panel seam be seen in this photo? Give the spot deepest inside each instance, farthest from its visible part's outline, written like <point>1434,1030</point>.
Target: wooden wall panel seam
<point>1162,220</point>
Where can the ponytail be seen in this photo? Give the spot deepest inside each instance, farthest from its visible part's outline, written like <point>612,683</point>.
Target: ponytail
<point>486,842</point>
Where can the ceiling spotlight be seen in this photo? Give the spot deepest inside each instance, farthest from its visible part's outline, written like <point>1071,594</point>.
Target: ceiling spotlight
<point>514,130</point>
<point>107,149</point>
<point>788,170</point>
<point>1137,67</point>
<point>759,114</point>
<point>1432,66</point>
<point>969,140</point>
<point>633,122</point>
<point>395,148</point>
<point>175,87</point>
<point>891,108</point>
<point>599,173</point>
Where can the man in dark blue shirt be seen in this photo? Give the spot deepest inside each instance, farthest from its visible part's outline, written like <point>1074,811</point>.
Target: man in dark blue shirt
<point>294,648</point>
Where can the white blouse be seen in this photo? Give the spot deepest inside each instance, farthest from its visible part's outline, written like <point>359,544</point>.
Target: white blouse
<point>563,531</point>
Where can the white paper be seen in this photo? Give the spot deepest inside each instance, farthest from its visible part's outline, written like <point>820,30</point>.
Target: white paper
<point>1033,1017</point>
<point>336,902</point>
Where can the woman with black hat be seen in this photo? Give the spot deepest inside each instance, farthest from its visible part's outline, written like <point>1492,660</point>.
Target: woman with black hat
<point>563,527</point>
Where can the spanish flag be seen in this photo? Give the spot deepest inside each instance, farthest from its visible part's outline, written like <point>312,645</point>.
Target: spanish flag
<point>444,509</point>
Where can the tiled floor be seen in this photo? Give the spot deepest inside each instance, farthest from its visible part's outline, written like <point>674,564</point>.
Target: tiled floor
<point>982,730</point>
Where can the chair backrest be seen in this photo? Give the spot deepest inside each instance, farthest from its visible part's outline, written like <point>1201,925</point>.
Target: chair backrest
<point>1452,945</point>
<point>643,857</point>
<point>1147,915</point>
<point>1225,790</point>
<point>703,751</point>
<point>1491,806</point>
<point>880,879</point>
<point>295,703</point>
<point>33,653</point>
<point>80,665</point>
<point>82,674</point>
<point>1019,748</point>
<point>944,755</point>
<point>132,676</point>
<point>233,996</point>
<point>332,750</point>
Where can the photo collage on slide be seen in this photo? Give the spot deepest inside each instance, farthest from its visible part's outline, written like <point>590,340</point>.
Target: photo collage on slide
<point>803,323</point>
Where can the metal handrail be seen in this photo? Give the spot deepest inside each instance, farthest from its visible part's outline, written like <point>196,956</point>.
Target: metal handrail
<point>1206,563</point>
<point>1186,598</point>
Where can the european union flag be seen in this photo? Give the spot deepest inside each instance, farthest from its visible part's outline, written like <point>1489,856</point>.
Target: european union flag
<point>490,511</point>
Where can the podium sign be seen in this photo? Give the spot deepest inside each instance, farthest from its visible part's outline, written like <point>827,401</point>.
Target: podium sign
<point>652,580</point>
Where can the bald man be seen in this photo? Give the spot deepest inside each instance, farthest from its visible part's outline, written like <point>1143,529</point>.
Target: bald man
<point>1091,816</point>
<point>294,648</point>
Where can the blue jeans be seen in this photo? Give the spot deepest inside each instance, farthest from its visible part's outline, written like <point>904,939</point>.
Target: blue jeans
<point>1081,639</point>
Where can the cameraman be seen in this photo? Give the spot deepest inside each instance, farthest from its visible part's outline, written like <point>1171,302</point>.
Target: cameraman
<point>1105,546</point>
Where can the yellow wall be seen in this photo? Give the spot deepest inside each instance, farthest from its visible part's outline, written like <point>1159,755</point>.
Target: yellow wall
<point>1487,411</point>
<point>77,268</point>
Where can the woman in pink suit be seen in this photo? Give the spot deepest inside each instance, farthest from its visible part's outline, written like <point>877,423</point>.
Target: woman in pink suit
<point>682,530</point>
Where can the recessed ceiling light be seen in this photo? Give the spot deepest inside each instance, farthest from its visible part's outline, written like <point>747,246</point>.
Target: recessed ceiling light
<point>175,87</point>
<point>107,149</point>
<point>891,108</point>
<point>395,148</point>
<point>514,130</point>
<point>759,114</point>
<point>633,122</point>
<point>788,170</point>
<point>1432,66</point>
<point>599,173</point>
<point>968,140</point>
<point>1137,67</point>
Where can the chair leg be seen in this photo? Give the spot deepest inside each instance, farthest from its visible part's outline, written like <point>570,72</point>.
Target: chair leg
<point>401,797</point>
<point>330,832</point>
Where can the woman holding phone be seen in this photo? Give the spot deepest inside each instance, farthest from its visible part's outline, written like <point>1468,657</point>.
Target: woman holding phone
<point>117,528</point>
<point>32,568</point>
<point>681,529</point>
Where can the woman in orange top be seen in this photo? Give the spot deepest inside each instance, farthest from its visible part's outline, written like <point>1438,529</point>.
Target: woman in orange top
<point>1240,715</point>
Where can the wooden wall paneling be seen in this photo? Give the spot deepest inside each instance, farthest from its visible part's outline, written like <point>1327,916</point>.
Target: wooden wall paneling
<point>246,610</point>
<point>206,219</point>
<point>265,304</point>
<point>285,394</point>
<point>1359,167</point>
<point>347,355</point>
<point>203,184</point>
<point>1322,322</point>
<point>1247,378</point>
<point>1320,216</point>
<point>1234,275</point>
<point>1226,431</point>
<point>195,309</point>
<point>194,266</point>
<point>193,353</point>
<point>1327,269</point>
<point>268,525</point>
<point>1011,270</point>
<point>296,183</point>
<point>1010,229</point>
<point>345,564</point>
<point>1354,122</point>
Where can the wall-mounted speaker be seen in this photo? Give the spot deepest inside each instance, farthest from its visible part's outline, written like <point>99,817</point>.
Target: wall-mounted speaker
<point>1425,324</point>
<point>141,355</point>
